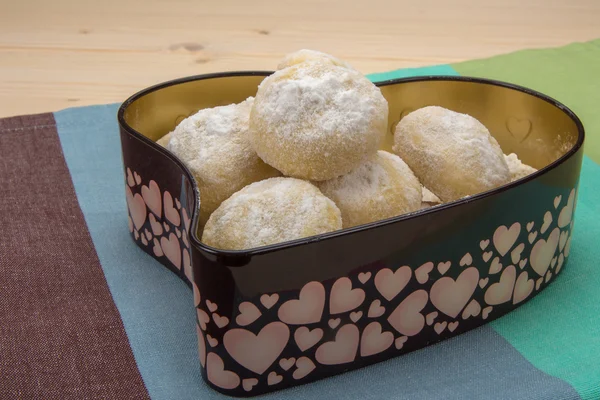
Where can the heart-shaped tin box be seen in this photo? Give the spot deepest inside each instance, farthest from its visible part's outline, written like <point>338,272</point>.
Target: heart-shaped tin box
<point>291,313</point>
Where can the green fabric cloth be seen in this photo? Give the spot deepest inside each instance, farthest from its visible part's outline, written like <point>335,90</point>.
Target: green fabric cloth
<point>558,331</point>
<point>564,340</point>
<point>413,72</point>
<point>570,74</point>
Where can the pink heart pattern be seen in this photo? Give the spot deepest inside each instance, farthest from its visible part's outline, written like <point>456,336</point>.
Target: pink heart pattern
<point>407,318</point>
<point>305,338</point>
<point>257,352</point>
<point>472,310</point>
<point>566,213</point>
<point>399,342</point>
<point>203,318</point>
<point>422,273</point>
<point>187,265</point>
<point>157,249</point>
<point>502,291</point>
<point>147,205</point>
<point>307,309</point>
<point>212,307</point>
<point>523,287</point>
<point>363,277</point>
<point>129,176</point>
<point>249,383</point>
<point>356,315</point>
<point>543,252</point>
<point>452,326</point>
<point>334,322</point>
<point>197,295</point>
<point>274,378</point>
<point>374,341</point>
<point>212,341</point>
<point>137,208</point>
<point>446,289</point>
<point>504,238</point>
<point>269,300</point>
<point>171,249</point>
<point>450,296</point>
<point>171,212</point>
<point>287,363</point>
<point>186,219</point>
<point>343,297</point>
<point>376,309</point>
<point>151,195</point>
<point>248,314</point>
<point>220,321</point>
<point>430,318</point>
<point>217,375</point>
<point>440,327</point>
<point>304,367</point>
<point>390,284</point>
<point>342,350</point>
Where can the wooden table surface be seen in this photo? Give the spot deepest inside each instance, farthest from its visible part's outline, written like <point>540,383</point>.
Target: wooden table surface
<point>62,53</point>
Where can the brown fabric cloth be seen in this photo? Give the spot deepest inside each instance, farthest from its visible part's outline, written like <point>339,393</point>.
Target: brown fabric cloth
<point>61,336</point>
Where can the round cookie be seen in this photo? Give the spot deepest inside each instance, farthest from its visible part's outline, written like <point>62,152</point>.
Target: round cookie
<point>517,169</point>
<point>306,55</point>
<point>452,154</point>
<point>317,121</point>
<point>271,211</point>
<point>214,145</point>
<point>381,188</point>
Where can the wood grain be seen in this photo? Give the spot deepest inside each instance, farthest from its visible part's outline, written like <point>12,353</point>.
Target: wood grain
<point>64,53</point>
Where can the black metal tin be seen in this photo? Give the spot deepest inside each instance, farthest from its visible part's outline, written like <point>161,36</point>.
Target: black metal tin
<point>294,312</point>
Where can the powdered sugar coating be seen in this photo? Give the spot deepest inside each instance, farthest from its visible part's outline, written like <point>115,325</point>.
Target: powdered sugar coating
<point>429,196</point>
<point>453,154</point>
<point>517,169</point>
<point>380,188</point>
<point>214,145</point>
<point>164,141</point>
<point>271,211</point>
<point>306,55</point>
<point>317,121</point>
<point>429,199</point>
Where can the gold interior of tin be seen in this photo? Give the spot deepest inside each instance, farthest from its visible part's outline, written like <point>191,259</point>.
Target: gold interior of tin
<point>157,113</point>
<point>537,131</point>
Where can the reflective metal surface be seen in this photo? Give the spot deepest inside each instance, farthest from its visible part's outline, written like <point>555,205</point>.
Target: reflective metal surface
<point>535,129</point>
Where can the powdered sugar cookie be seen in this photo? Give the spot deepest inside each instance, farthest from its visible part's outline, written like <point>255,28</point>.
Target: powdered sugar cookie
<point>306,55</point>
<point>164,141</point>
<point>381,188</point>
<point>517,169</point>
<point>452,154</point>
<point>317,121</point>
<point>271,211</point>
<point>214,145</point>
<point>429,199</point>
